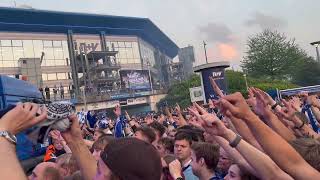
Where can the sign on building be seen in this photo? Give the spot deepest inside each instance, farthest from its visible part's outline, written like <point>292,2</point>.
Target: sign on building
<point>196,94</point>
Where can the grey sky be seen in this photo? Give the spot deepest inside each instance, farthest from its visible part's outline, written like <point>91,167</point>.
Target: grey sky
<point>224,24</point>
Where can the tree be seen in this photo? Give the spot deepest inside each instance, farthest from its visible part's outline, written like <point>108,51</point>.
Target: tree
<point>271,55</point>
<point>179,93</point>
<point>307,72</point>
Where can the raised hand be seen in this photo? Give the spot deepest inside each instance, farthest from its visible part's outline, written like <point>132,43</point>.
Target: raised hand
<point>210,103</point>
<point>178,109</point>
<point>262,102</point>
<point>22,117</point>
<point>251,99</point>
<point>73,134</point>
<point>296,103</point>
<point>215,87</point>
<point>236,105</point>
<point>149,119</point>
<point>289,111</point>
<point>175,169</point>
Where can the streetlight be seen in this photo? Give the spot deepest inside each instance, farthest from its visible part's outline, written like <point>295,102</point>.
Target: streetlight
<point>245,79</point>
<point>316,44</point>
<point>205,51</point>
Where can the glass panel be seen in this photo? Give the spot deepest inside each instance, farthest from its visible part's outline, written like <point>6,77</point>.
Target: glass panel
<point>45,77</point>
<point>121,44</point>
<point>130,60</point>
<point>17,53</point>
<point>65,49</point>
<point>52,76</point>
<point>48,53</point>
<point>58,53</point>
<point>37,48</point>
<point>5,42</point>
<point>128,44</point>
<point>61,76</point>
<point>28,48</point>
<point>60,62</point>
<point>57,44</point>
<point>47,43</point>
<point>135,50</point>
<point>1,64</point>
<point>17,43</point>
<point>7,53</point>
<point>49,62</point>
<point>8,63</point>
<point>129,53</point>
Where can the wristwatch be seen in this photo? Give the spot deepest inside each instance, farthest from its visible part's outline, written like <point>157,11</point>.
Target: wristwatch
<point>10,137</point>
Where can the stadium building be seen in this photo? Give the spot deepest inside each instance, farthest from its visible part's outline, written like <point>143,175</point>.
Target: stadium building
<point>98,60</point>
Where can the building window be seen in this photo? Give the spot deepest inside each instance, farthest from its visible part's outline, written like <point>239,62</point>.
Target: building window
<point>47,43</point>
<point>17,43</point>
<point>6,43</point>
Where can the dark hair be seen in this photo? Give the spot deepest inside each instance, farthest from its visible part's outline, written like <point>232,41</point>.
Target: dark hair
<point>158,127</point>
<point>101,142</point>
<point>195,133</point>
<point>183,136</point>
<point>245,175</point>
<point>148,132</point>
<point>309,149</point>
<point>167,143</point>
<point>209,152</point>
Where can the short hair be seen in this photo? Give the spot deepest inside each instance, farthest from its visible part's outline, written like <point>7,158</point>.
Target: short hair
<point>148,132</point>
<point>196,133</point>
<point>167,143</point>
<point>101,142</point>
<point>159,127</point>
<point>309,149</point>
<point>52,173</point>
<point>183,136</point>
<point>68,161</point>
<point>209,152</point>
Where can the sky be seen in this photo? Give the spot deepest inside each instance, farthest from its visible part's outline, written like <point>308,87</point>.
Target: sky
<point>224,25</point>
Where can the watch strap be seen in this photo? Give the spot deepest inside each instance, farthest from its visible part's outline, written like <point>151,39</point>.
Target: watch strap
<point>236,141</point>
<point>10,137</point>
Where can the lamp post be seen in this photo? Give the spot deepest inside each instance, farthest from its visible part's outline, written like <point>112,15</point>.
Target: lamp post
<point>316,44</point>
<point>205,51</point>
<point>245,79</point>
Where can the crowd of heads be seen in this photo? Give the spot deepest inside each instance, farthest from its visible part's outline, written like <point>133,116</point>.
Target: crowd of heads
<point>234,137</point>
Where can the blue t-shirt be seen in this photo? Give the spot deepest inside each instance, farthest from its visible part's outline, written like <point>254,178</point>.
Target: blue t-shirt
<point>188,174</point>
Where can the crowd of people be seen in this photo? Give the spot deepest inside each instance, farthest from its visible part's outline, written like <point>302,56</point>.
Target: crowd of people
<point>232,138</point>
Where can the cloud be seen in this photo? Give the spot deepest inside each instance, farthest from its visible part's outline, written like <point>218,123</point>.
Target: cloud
<point>215,32</point>
<point>265,21</point>
<point>227,51</point>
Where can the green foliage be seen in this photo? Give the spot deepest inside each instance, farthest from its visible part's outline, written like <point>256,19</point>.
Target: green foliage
<point>307,72</point>
<point>179,93</point>
<point>270,55</point>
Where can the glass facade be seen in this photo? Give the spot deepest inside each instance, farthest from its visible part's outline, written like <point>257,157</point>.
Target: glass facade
<point>55,52</point>
<point>147,53</point>
<point>128,51</point>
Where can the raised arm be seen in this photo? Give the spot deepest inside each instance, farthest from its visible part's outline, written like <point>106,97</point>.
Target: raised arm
<point>20,118</point>
<point>276,147</point>
<point>84,158</point>
<point>270,118</point>
<point>262,165</point>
